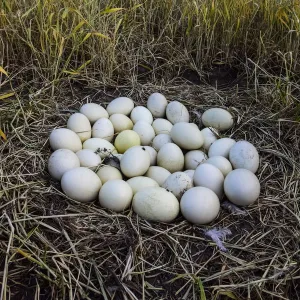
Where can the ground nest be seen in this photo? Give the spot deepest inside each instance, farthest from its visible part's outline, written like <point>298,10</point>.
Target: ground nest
<point>55,248</point>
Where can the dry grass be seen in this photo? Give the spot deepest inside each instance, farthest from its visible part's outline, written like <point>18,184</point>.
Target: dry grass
<point>55,248</point>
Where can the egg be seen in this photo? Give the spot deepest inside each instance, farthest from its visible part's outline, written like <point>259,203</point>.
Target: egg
<point>243,155</point>
<point>121,122</point>
<point>217,118</point>
<point>89,159</point>
<point>200,205</point>
<point>81,184</point>
<point>193,159</point>
<point>140,182</point>
<point>127,139</point>
<point>121,105</point>
<point>61,161</point>
<point>221,147</point>
<point>63,138</point>
<point>157,104</point>
<point>93,112</point>
<point>115,195</point>
<point>177,112</point>
<point>101,146</point>
<point>170,157</point>
<point>80,124</point>
<point>160,140</point>
<point>104,129</point>
<point>155,204</point>
<point>210,177</point>
<point>187,136</point>
<point>106,173</point>
<point>145,132</point>
<point>178,183</point>
<point>141,113</point>
<point>190,173</point>
<point>135,162</point>
<point>162,126</point>
<point>158,174</point>
<point>242,187</point>
<point>209,137</point>
<point>153,155</point>
<point>221,163</point>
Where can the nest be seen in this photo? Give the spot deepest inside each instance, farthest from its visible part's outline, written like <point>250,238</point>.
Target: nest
<point>55,248</point>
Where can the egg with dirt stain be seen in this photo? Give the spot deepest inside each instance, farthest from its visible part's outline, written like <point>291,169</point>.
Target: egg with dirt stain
<point>178,183</point>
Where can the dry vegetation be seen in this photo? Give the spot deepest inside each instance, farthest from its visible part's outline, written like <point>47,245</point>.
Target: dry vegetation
<point>56,55</point>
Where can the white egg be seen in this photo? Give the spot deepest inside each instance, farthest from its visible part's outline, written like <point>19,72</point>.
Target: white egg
<point>153,155</point>
<point>81,184</point>
<point>121,105</point>
<point>140,182</point>
<point>158,174</point>
<point>190,173</point>
<point>135,162</point>
<point>104,129</point>
<point>93,112</point>
<point>221,147</point>
<point>157,104</point>
<point>160,140</point>
<point>106,173</point>
<point>80,124</point>
<point>242,187</point>
<point>193,159</point>
<point>209,137</point>
<point>63,138</point>
<point>200,205</point>
<point>210,177</point>
<point>162,126</point>
<point>145,131</point>
<point>221,163</point>
<point>141,113</point>
<point>243,155</point>
<point>217,118</point>
<point>115,195</point>
<point>177,112</point>
<point>186,136</point>
<point>89,159</point>
<point>121,122</point>
<point>178,183</point>
<point>127,139</point>
<point>103,147</point>
<point>170,157</point>
<point>61,161</point>
<point>156,204</point>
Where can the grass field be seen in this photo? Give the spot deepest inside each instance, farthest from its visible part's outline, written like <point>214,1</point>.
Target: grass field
<point>57,55</point>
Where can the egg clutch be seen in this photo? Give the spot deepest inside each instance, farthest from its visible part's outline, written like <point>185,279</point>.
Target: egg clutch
<point>153,159</point>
